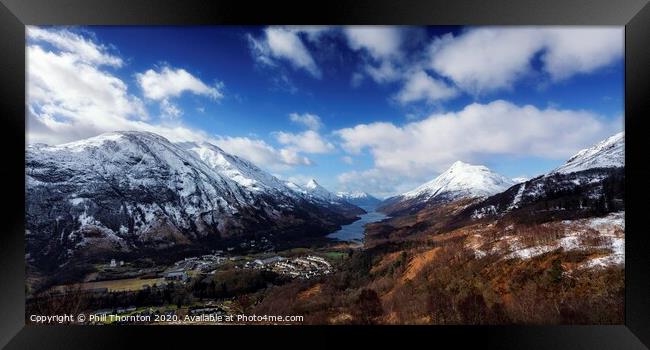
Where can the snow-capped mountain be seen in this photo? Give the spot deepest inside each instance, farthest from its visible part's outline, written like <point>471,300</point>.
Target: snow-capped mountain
<point>460,181</point>
<point>314,192</point>
<point>243,172</point>
<point>361,199</point>
<point>314,189</point>
<point>589,183</point>
<point>609,153</point>
<point>126,190</point>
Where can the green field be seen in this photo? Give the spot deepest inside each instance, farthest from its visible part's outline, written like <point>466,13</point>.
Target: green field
<point>127,284</point>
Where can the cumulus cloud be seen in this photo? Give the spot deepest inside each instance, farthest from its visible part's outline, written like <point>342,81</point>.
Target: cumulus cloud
<point>306,142</point>
<point>261,153</point>
<point>380,42</point>
<point>170,82</point>
<point>71,96</point>
<point>493,58</point>
<point>169,109</point>
<point>420,86</point>
<point>84,50</point>
<point>478,130</point>
<point>387,64</point>
<point>311,121</point>
<point>284,43</point>
<point>384,72</point>
<point>69,92</point>
<point>72,92</point>
<point>577,50</point>
<point>382,46</point>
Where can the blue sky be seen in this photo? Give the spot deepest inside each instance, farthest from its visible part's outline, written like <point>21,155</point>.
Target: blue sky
<point>378,109</point>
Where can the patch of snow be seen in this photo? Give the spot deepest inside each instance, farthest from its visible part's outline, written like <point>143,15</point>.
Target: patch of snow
<point>482,212</point>
<point>530,252</point>
<point>609,153</point>
<point>570,242</point>
<point>76,201</point>
<point>517,197</point>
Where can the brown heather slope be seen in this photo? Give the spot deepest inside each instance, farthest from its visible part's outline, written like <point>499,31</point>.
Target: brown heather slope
<point>491,272</point>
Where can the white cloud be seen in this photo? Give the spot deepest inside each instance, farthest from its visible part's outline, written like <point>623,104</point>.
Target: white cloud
<point>306,142</point>
<point>576,50</point>
<point>429,146</point>
<point>83,49</point>
<point>382,47</point>
<point>313,33</point>
<point>170,82</point>
<point>347,159</point>
<point>70,96</point>
<point>170,110</point>
<point>385,72</point>
<point>419,86</point>
<point>380,42</point>
<point>284,43</point>
<point>388,64</point>
<point>311,121</point>
<point>261,153</point>
<point>493,58</point>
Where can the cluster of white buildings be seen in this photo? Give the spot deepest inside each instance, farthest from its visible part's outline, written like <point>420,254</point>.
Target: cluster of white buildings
<point>302,267</point>
<point>202,263</point>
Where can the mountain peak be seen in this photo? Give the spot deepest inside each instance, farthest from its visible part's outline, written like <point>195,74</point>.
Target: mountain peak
<point>462,179</point>
<point>459,164</point>
<point>311,184</point>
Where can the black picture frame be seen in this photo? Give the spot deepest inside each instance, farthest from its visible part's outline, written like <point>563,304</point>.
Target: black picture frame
<point>633,14</point>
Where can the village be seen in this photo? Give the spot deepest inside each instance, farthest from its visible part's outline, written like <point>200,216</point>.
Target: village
<point>301,267</point>
<point>128,291</point>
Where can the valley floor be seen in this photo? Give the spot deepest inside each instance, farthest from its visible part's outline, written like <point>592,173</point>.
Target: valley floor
<point>561,272</point>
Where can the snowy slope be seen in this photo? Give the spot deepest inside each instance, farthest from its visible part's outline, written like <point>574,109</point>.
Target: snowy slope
<point>124,190</point>
<point>609,153</point>
<point>142,177</point>
<point>589,183</point>
<point>313,192</point>
<point>246,174</point>
<point>462,180</point>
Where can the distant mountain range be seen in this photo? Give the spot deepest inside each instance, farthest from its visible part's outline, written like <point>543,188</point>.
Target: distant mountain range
<point>124,191</point>
<point>361,199</point>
